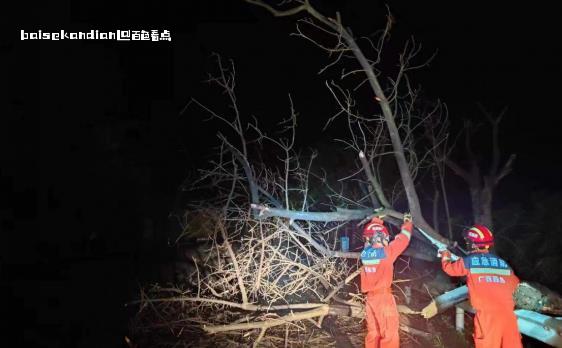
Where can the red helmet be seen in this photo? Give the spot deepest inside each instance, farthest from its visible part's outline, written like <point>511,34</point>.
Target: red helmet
<point>375,226</point>
<point>480,235</point>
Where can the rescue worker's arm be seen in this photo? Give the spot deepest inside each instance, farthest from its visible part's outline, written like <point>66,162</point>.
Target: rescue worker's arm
<point>455,269</point>
<point>401,241</point>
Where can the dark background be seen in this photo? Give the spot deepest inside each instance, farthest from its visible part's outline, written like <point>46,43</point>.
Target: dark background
<point>94,146</point>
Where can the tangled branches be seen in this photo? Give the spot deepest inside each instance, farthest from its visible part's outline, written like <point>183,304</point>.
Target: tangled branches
<point>257,274</point>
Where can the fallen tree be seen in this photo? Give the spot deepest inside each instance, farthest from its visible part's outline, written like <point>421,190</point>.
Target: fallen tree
<point>275,268</point>
<point>258,275</point>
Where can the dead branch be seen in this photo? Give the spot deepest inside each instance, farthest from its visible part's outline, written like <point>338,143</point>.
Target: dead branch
<point>313,313</point>
<point>340,214</point>
<point>235,264</point>
<point>380,197</point>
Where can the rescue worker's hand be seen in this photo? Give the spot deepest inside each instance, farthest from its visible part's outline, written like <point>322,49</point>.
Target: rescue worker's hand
<point>378,218</point>
<point>407,222</point>
<point>407,217</point>
<point>444,254</point>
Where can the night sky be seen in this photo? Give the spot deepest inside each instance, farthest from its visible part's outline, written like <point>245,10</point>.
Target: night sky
<point>95,144</point>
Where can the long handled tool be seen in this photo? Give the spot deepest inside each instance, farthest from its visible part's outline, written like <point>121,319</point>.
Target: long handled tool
<point>439,245</point>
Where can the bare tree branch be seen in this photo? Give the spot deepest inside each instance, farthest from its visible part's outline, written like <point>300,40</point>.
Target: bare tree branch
<point>339,215</point>
<point>374,182</point>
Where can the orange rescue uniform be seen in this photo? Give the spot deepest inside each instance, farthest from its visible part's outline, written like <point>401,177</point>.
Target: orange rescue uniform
<point>376,280</point>
<point>491,283</point>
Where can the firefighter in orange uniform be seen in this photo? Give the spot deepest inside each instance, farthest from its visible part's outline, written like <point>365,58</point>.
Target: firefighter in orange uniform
<point>378,258</point>
<point>491,284</point>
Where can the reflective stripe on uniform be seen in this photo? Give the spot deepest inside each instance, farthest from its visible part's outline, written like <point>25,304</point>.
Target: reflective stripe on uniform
<point>371,261</point>
<point>407,233</point>
<point>477,270</point>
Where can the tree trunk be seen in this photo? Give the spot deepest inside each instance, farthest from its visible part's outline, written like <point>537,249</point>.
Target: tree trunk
<point>486,196</point>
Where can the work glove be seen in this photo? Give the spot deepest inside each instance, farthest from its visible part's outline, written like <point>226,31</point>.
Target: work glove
<point>378,216</point>
<point>444,254</point>
<point>407,217</point>
<point>407,221</point>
